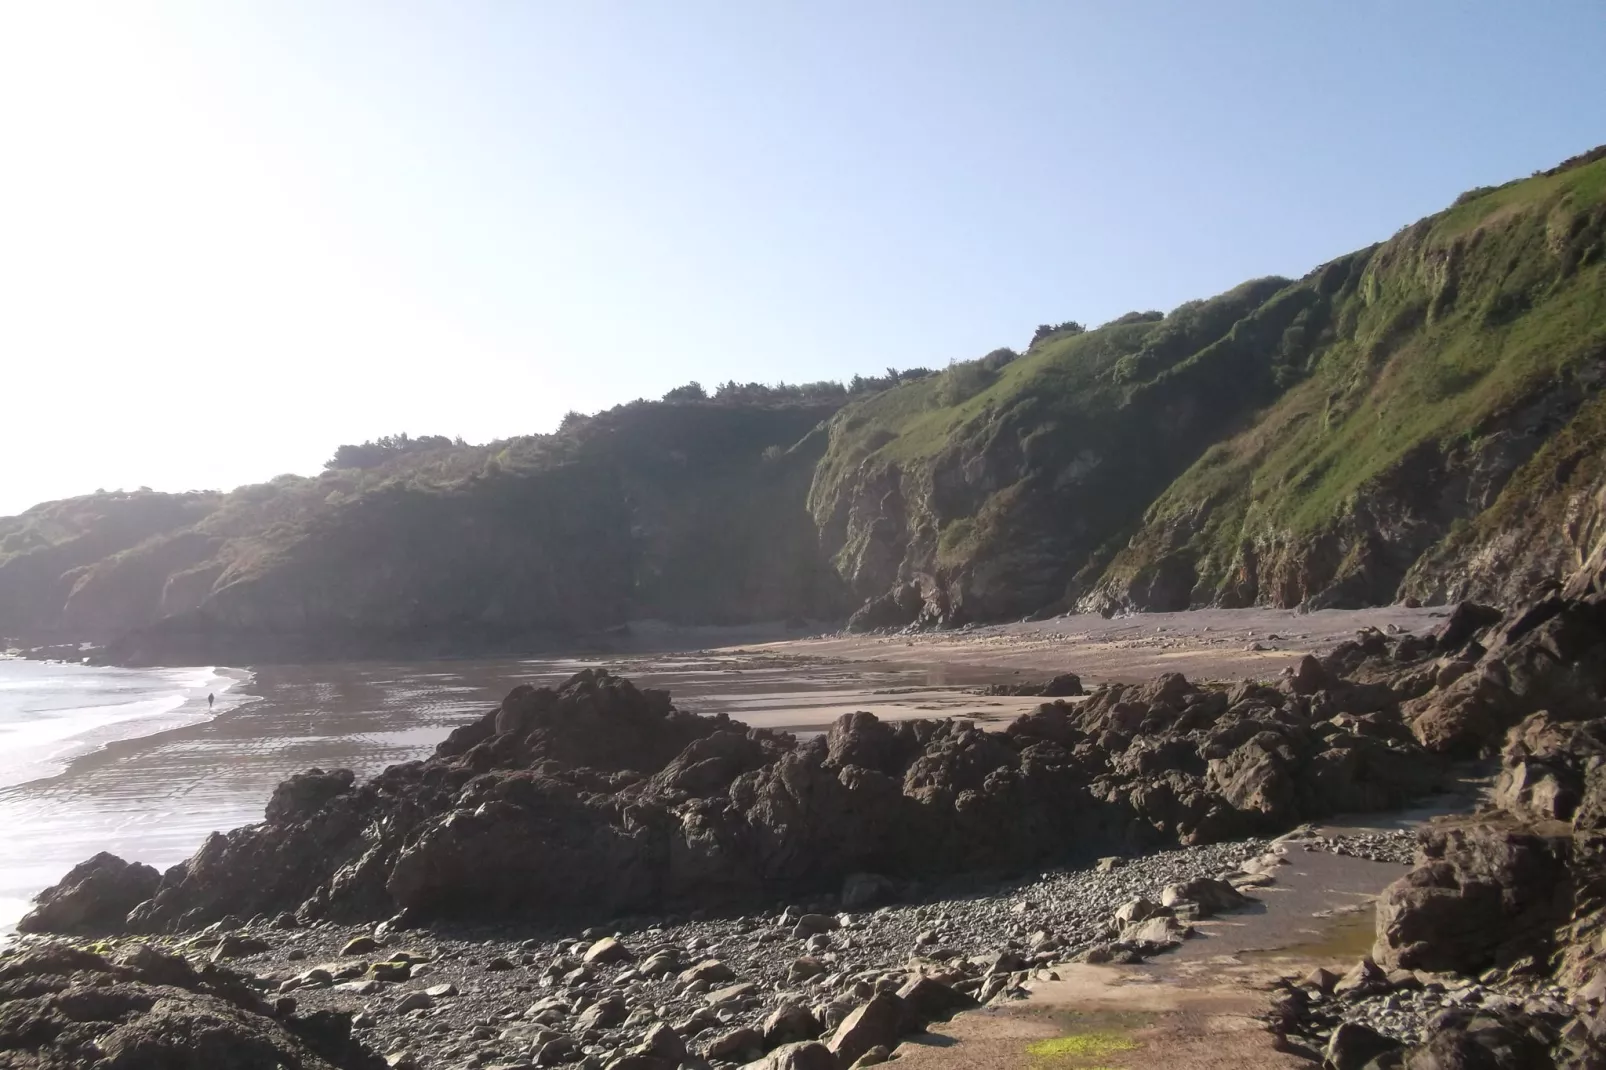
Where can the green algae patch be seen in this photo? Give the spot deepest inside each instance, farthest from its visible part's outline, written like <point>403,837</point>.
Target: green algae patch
<point>1083,1050</point>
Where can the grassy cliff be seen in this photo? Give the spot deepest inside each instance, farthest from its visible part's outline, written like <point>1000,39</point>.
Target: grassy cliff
<point>1459,350</point>
<point>1422,418</point>
<point>1308,442</point>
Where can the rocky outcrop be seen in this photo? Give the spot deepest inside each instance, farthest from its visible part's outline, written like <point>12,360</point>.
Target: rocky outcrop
<point>597,799</point>
<point>64,1007</point>
<point>1514,894</point>
<point>95,896</point>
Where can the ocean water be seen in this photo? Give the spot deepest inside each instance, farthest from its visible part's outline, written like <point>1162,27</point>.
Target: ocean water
<point>53,714</point>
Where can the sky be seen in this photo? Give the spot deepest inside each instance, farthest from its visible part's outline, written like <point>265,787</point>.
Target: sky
<point>235,235</point>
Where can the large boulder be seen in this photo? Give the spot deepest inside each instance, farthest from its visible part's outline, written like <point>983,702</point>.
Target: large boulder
<point>94,897</point>
<point>1485,892</point>
<point>877,1023</point>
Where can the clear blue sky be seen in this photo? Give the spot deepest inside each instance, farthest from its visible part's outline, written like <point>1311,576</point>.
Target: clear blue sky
<point>240,234</point>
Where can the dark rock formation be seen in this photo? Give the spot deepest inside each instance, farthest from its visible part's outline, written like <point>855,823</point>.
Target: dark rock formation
<point>94,897</point>
<point>1519,890</point>
<point>598,799</point>
<point>62,1007</point>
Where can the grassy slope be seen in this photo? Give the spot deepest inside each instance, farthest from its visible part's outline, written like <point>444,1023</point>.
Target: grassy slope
<point>1062,448</point>
<point>1455,320</point>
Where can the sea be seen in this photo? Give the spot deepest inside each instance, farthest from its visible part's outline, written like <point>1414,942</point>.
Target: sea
<point>52,713</point>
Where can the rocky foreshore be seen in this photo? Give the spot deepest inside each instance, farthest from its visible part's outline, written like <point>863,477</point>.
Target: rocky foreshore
<point>596,801</point>
<point>655,993</point>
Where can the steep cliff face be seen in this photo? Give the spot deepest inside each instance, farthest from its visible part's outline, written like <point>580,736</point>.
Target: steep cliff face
<point>1443,445</point>
<point>976,506</point>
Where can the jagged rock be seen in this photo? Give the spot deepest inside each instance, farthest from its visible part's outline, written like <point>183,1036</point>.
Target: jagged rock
<point>1065,685</point>
<point>304,794</point>
<point>1309,677</point>
<point>878,1022</point>
<point>94,897</point>
<point>1158,932</point>
<point>927,1000</point>
<point>61,1007</point>
<point>1209,895</point>
<point>790,1023</point>
<point>665,1043</point>
<point>1483,893</point>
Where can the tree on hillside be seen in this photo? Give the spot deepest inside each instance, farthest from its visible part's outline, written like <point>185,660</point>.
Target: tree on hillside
<point>375,452</point>
<point>1048,330</point>
<point>692,391</point>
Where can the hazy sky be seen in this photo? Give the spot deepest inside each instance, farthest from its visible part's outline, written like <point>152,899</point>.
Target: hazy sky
<point>235,235</point>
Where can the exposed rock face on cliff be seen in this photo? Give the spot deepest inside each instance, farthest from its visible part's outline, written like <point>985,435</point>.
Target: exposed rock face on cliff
<point>63,1007</point>
<point>598,799</point>
<point>1423,418</point>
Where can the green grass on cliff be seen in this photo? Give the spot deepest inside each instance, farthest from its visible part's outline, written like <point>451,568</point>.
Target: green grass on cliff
<point>1456,321</point>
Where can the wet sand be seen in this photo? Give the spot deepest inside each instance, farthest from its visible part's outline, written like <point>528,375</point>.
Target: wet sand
<point>1199,1007</point>
<point>1207,644</point>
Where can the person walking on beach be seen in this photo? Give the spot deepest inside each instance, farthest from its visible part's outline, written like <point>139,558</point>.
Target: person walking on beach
<point>210,698</point>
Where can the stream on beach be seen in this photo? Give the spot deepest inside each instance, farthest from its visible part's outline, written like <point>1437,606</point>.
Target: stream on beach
<point>131,761</point>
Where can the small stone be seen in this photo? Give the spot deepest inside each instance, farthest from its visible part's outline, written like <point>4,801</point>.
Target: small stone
<point>415,1001</point>
<point>732,993</point>
<point>603,1014</point>
<point>738,1045</point>
<point>876,1055</point>
<point>361,945</point>
<point>712,971</point>
<point>803,969</point>
<point>812,924</point>
<point>441,991</point>
<point>1109,863</point>
<point>606,952</point>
